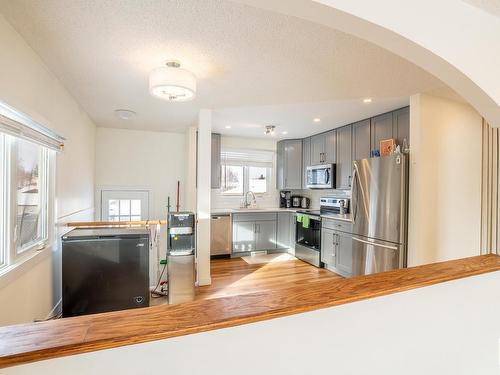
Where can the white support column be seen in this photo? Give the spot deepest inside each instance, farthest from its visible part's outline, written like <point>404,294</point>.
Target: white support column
<point>191,146</point>
<point>203,195</point>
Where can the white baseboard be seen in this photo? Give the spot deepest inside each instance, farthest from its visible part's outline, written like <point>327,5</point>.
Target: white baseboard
<point>56,310</point>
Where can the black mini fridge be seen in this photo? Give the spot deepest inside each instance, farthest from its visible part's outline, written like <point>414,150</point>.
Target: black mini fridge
<point>104,269</point>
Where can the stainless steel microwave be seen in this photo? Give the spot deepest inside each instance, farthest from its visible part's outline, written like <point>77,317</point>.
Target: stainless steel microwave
<point>320,176</point>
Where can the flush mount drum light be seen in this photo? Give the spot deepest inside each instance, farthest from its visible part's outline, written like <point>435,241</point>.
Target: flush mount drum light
<point>172,83</point>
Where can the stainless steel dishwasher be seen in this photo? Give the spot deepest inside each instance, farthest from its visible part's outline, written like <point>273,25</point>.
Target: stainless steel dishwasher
<point>221,238</point>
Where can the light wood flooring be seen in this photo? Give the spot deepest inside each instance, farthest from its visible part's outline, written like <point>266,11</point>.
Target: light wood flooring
<point>232,277</point>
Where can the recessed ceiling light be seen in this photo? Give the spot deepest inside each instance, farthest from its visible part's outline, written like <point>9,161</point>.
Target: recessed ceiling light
<point>124,114</point>
<point>284,132</point>
<point>228,126</point>
<point>367,100</point>
<point>316,119</point>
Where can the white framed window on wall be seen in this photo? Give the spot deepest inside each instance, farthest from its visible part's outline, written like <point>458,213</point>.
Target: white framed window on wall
<point>124,205</point>
<point>27,153</point>
<point>246,170</point>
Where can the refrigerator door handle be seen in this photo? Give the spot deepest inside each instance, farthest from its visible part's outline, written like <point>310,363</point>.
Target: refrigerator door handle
<point>375,244</point>
<point>354,201</point>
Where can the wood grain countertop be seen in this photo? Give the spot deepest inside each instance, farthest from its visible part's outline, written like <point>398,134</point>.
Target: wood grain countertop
<point>38,341</point>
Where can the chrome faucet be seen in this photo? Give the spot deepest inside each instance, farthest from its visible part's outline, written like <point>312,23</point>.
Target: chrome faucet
<point>247,203</point>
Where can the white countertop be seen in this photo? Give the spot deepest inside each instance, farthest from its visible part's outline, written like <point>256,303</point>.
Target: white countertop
<point>225,211</point>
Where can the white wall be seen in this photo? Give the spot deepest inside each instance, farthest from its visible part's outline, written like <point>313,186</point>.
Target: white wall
<point>133,159</point>
<point>445,180</point>
<point>430,330</point>
<point>32,290</point>
<point>269,200</point>
<point>142,159</point>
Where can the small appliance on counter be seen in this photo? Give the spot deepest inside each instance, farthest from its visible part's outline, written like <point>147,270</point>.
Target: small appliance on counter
<point>296,201</point>
<point>104,269</point>
<point>285,199</point>
<point>305,202</point>
<point>180,256</point>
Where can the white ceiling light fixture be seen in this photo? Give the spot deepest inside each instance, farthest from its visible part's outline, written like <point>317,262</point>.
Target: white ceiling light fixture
<point>228,126</point>
<point>172,83</point>
<point>284,132</point>
<point>270,130</point>
<point>367,100</point>
<point>316,119</point>
<point>124,114</point>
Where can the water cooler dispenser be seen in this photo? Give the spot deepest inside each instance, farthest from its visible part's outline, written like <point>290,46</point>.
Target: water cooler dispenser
<point>181,247</point>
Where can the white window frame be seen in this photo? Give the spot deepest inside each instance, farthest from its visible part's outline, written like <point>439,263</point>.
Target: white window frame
<point>124,190</point>
<point>8,202</point>
<point>4,206</point>
<point>246,180</point>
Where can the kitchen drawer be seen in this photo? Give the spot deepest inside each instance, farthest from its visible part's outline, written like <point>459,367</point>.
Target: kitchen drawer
<point>343,226</point>
<point>254,216</point>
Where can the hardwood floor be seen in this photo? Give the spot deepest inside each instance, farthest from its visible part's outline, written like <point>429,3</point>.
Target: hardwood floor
<point>232,277</point>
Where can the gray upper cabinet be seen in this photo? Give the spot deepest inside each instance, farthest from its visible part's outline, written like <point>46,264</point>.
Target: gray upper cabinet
<point>361,140</point>
<point>216,162</point>
<point>280,165</point>
<point>401,124</point>
<point>381,128</point>
<point>289,164</point>
<point>330,155</point>
<point>344,157</point>
<point>306,159</point>
<point>317,149</point>
<point>323,148</point>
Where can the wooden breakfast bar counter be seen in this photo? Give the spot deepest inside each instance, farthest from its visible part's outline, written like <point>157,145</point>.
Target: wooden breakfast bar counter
<point>25,343</point>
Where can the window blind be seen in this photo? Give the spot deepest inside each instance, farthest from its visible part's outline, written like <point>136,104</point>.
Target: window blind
<point>18,124</point>
<point>257,158</point>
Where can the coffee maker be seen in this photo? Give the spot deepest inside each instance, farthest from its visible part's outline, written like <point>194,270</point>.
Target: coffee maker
<point>285,199</point>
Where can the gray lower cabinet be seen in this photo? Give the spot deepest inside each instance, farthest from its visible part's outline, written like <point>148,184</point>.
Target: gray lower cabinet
<point>361,140</point>
<point>344,157</point>
<point>328,246</point>
<point>244,236</point>
<point>336,251</point>
<point>265,238</point>
<point>289,164</point>
<point>306,160</point>
<point>283,230</point>
<point>216,162</point>
<point>344,254</point>
<point>254,232</point>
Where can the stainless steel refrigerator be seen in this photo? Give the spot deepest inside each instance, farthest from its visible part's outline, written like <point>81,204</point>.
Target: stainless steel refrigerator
<point>379,198</point>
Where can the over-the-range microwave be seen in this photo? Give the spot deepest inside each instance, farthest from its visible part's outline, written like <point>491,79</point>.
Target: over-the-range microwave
<point>320,176</point>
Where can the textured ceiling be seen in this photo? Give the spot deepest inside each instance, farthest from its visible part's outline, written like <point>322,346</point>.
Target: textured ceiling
<point>243,57</point>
